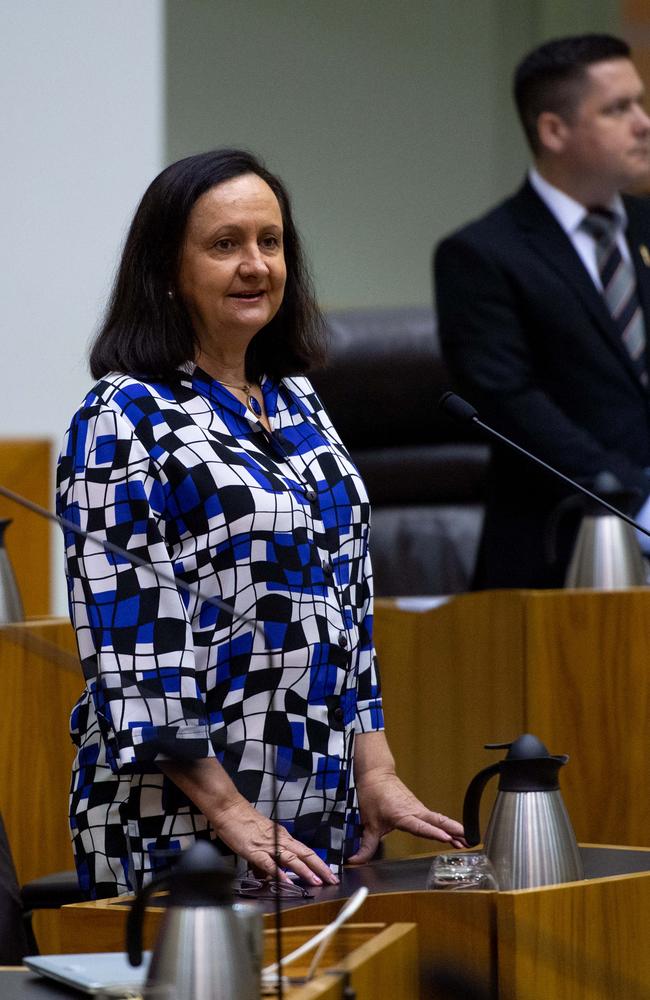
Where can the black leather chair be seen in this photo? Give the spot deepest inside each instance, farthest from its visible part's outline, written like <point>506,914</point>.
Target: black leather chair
<point>17,904</point>
<point>423,473</point>
<point>49,892</point>
<point>14,943</point>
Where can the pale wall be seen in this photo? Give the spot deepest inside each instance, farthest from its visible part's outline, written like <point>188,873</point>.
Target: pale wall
<point>390,123</point>
<point>82,134</point>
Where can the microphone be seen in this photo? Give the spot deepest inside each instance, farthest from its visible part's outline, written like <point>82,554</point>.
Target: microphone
<point>216,602</point>
<point>463,412</point>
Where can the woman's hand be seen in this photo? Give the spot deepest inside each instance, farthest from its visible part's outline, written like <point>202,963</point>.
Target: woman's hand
<point>386,804</point>
<point>252,836</point>
<point>242,827</point>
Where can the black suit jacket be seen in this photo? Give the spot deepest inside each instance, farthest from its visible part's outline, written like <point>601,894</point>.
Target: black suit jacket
<point>529,341</point>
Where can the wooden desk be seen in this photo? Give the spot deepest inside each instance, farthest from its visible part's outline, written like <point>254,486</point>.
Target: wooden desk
<point>381,961</point>
<point>577,941</point>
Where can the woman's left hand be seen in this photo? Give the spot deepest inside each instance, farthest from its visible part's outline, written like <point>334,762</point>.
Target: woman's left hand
<point>386,804</point>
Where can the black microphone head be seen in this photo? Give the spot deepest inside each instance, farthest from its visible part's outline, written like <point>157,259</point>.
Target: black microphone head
<point>456,407</point>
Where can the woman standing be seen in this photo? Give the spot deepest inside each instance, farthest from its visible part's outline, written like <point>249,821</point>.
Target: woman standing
<point>204,450</point>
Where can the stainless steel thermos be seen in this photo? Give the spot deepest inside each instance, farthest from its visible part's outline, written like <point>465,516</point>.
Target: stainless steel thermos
<point>208,946</point>
<point>529,838</point>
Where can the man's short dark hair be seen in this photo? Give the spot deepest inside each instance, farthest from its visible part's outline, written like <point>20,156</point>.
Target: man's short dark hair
<point>147,331</point>
<point>552,77</point>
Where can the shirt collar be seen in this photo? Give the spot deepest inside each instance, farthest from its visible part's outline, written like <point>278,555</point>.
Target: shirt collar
<point>569,212</point>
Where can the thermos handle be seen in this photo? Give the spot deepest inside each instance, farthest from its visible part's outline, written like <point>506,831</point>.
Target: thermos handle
<point>136,916</point>
<point>568,505</point>
<point>472,802</point>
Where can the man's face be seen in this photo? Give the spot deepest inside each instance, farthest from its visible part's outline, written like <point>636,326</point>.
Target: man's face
<point>608,136</point>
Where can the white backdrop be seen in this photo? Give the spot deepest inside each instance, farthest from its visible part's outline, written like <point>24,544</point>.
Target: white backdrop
<point>82,88</point>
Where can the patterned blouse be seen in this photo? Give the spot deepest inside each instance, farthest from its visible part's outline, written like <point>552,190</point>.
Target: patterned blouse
<point>276,525</point>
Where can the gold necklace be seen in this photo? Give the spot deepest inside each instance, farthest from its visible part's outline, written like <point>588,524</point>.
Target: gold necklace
<point>252,403</point>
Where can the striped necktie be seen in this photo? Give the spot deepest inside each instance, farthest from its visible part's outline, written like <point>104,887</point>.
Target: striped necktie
<point>619,286</point>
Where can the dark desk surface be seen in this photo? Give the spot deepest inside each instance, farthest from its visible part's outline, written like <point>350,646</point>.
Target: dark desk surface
<point>407,875</point>
<point>410,874</point>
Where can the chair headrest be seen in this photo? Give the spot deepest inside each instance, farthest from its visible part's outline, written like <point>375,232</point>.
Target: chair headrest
<point>384,378</point>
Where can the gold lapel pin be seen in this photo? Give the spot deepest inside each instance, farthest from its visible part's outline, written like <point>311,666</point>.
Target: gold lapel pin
<point>645,254</point>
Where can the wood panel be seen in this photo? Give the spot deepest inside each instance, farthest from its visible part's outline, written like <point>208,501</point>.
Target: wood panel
<point>382,960</point>
<point>452,681</point>
<point>578,941</point>
<point>381,956</point>
<point>454,932</point>
<point>25,467</point>
<point>588,695</point>
<point>581,941</point>
<point>40,680</point>
<point>571,667</point>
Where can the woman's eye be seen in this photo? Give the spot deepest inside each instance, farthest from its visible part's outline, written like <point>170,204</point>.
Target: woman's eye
<point>271,242</point>
<point>224,244</point>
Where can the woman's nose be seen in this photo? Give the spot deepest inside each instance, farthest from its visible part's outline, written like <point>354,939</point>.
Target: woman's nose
<point>253,262</point>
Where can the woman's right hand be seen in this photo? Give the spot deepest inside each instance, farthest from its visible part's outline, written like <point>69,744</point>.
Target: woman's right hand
<point>243,827</point>
<point>253,836</point>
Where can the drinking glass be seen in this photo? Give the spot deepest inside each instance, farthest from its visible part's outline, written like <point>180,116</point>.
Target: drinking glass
<point>462,870</point>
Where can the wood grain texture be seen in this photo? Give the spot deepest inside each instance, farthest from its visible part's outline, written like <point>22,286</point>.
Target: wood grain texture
<point>455,930</point>
<point>569,666</point>
<point>452,681</point>
<point>26,467</point>
<point>382,961</point>
<point>581,941</point>
<point>40,680</point>
<point>588,695</point>
<point>382,957</point>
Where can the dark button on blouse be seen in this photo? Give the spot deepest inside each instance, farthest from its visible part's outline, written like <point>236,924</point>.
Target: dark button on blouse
<point>328,569</point>
<point>310,495</point>
<point>338,714</point>
<point>343,640</point>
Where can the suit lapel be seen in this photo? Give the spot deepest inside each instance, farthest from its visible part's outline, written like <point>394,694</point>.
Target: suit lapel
<point>546,237</point>
<point>638,241</point>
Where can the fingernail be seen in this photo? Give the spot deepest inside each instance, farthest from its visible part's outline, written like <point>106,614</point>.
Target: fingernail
<point>316,880</point>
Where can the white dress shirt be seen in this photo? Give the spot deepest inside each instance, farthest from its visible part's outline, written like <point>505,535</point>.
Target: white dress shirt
<point>570,214</point>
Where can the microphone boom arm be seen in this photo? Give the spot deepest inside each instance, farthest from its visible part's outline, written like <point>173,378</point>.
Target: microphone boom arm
<point>460,410</point>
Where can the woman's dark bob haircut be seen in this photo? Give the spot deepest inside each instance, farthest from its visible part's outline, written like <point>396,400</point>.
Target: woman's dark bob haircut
<point>148,332</point>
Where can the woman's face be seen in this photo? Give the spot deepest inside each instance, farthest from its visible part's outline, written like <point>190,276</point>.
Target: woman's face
<point>232,270</point>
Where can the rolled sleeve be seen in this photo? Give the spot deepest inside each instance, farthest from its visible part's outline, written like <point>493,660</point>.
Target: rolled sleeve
<point>369,714</point>
<point>133,632</point>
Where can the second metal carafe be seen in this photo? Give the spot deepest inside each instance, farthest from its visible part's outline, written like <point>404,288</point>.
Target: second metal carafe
<point>11,606</point>
<point>606,554</point>
<point>529,839</point>
<point>208,947</point>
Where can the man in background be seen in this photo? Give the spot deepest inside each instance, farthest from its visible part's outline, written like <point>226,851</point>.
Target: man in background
<point>544,306</point>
